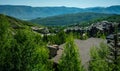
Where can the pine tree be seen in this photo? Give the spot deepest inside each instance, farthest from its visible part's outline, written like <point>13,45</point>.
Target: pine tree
<point>41,62</point>
<point>33,55</point>
<point>98,57</point>
<point>70,60</point>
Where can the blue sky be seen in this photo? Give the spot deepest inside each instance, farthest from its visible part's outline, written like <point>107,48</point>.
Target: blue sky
<point>68,3</point>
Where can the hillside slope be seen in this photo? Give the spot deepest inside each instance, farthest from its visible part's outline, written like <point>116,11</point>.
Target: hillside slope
<point>15,23</point>
<point>68,19</point>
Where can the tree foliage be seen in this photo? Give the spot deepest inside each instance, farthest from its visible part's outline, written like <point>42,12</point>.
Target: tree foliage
<point>22,50</point>
<point>58,38</point>
<point>70,60</point>
<point>98,57</point>
<point>5,45</point>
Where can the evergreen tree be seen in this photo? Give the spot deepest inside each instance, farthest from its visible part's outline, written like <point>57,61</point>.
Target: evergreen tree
<point>98,58</point>
<point>60,38</point>
<point>70,60</point>
<point>34,57</point>
<point>41,62</point>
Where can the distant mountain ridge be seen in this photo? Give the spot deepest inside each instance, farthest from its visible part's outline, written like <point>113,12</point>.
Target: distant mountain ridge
<point>28,12</point>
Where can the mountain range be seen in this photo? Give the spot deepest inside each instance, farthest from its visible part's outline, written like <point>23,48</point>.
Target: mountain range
<point>28,12</point>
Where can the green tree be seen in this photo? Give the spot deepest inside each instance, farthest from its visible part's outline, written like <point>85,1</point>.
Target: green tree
<point>60,38</point>
<point>98,57</point>
<point>41,62</point>
<point>22,49</point>
<point>5,45</point>
<point>70,60</point>
<point>33,56</point>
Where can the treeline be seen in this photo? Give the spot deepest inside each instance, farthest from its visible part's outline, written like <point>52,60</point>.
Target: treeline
<point>25,50</point>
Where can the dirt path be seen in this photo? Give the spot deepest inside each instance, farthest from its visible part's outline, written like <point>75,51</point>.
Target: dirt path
<point>84,49</point>
<point>85,46</point>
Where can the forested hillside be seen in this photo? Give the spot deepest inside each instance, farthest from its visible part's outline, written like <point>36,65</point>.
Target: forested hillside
<point>69,19</point>
<point>16,23</point>
<point>20,50</point>
<point>113,18</point>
